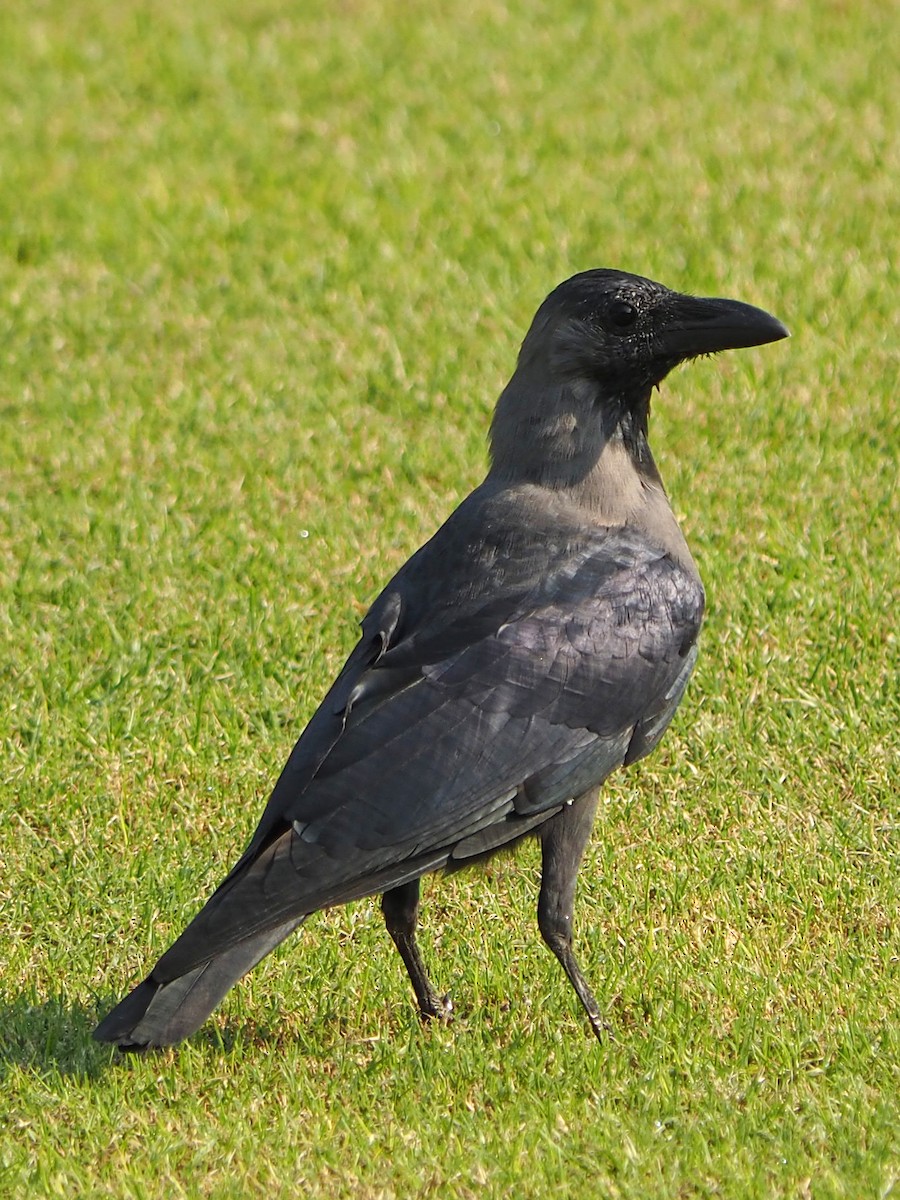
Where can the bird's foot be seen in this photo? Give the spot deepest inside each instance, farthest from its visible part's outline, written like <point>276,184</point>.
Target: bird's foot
<point>437,1008</point>
<point>601,1029</point>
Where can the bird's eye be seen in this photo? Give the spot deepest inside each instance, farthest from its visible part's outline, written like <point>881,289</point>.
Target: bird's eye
<point>622,314</point>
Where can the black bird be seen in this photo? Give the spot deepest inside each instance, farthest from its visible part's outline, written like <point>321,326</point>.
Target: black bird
<point>542,638</point>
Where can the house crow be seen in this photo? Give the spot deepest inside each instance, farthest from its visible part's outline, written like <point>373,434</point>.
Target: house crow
<point>542,638</point>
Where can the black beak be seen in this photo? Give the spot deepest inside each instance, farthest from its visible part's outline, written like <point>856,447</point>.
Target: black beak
<point>700,326</point>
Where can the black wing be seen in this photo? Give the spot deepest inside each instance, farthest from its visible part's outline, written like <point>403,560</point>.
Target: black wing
<point>465,716</point>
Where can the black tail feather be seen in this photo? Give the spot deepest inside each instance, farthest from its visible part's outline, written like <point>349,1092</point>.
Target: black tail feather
<point>161,1013</point>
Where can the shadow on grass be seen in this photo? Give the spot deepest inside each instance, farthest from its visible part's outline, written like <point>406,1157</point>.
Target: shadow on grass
<point>51,1037</point>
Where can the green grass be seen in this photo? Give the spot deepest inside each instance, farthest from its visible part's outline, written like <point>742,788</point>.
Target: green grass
<point>263,271</point>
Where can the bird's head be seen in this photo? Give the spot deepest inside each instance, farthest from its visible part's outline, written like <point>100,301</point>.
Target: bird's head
<point>596,348</point>
<point>627,333</point>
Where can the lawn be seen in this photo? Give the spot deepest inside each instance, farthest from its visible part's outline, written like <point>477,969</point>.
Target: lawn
<point>264,269</point>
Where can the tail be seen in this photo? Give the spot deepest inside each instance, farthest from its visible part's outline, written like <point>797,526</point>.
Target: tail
<point>161,1012</point>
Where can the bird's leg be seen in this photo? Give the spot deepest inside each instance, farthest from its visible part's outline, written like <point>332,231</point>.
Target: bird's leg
<point>562,846</point>
<point>401,910</point>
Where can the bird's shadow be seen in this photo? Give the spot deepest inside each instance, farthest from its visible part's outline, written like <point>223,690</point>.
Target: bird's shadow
<point>51,1037</point>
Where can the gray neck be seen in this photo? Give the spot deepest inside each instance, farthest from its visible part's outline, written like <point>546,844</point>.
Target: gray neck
<point>594,454</point>
<point>558,432</point>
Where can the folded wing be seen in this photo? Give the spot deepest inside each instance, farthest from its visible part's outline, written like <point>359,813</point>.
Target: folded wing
<point>447,738</point>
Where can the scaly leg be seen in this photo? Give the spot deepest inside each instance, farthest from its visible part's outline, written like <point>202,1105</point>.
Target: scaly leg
<point>563,841</point>
<point>401,910</point>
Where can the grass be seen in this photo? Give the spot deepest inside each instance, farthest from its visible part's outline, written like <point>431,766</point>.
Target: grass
<point>263,271</point>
